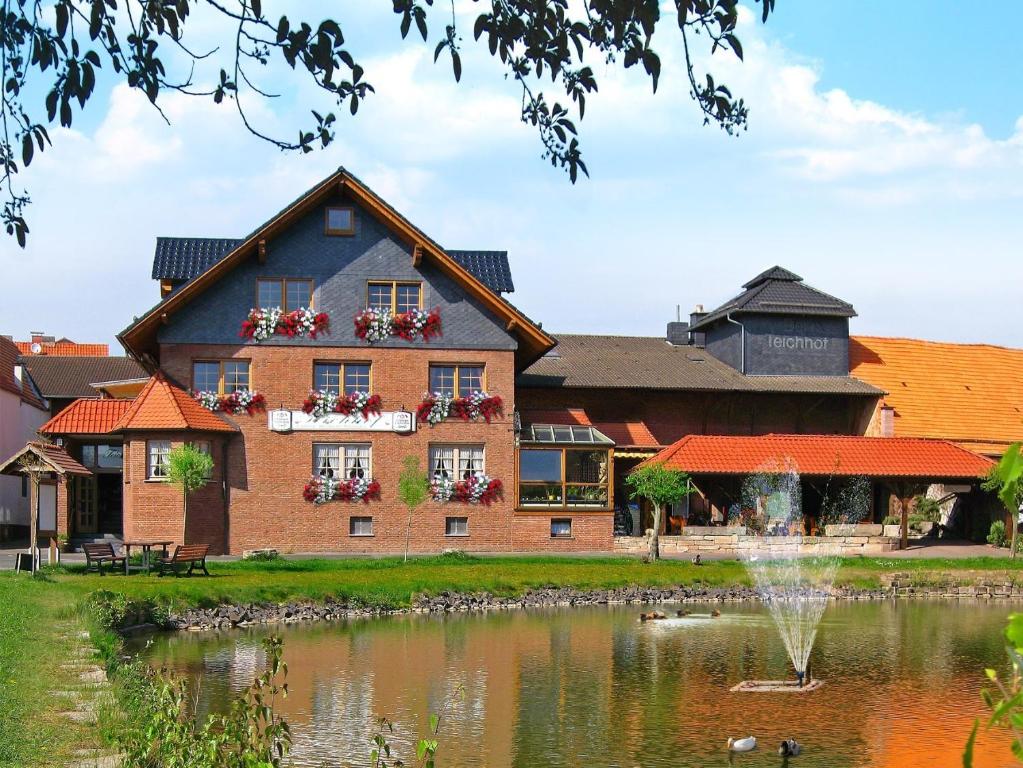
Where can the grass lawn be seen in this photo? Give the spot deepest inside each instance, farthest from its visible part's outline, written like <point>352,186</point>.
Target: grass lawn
<point>36,612</point>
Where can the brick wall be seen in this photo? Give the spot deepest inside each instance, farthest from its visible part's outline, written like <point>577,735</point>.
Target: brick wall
<point>266,471</point>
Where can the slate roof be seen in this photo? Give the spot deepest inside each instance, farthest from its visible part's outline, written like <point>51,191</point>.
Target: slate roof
<point>182,258</point>
<point>649,362</point>
<point>490,267</point>
<point>779,291</point>
<point>824,456</point>
<point>163,406</point>
<point>60,376</point>
<point>971,394</point>
<point>87,416</point>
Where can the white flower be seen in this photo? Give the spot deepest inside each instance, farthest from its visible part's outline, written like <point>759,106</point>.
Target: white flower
<point>440,409</point>
<point>442,489</point>
<point>328,489</point>
<point>208,399</point>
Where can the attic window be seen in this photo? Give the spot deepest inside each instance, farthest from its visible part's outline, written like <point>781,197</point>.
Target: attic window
<point>340,221</point>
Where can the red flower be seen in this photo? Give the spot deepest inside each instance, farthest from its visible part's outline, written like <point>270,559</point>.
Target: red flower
<point>424,408</point>
<point>311,490</point>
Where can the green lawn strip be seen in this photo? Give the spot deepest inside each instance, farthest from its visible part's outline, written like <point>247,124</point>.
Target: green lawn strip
<point>389,583</point>
<point>34,615</point>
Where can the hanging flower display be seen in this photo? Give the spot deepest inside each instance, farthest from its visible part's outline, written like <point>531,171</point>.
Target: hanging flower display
<point>416,322</point>
<point>436,407</point>
<point>477,489</point>
<point>320,490</point>
<point>235,403</point>
<point>321,402</point>
<point>374,325</point>
<point>261,324</point>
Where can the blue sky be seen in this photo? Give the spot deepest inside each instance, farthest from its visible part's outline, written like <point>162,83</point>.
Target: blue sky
<point>882,163</point>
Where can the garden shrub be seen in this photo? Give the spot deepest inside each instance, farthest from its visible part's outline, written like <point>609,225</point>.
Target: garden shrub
<point>997,534</point>
<point>114,611</point>
<point>927,508</point>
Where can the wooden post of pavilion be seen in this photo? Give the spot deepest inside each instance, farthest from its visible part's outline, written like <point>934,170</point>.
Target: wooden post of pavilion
<point>29,465</point>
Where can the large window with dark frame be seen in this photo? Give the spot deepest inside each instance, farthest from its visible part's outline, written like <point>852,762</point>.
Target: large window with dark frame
<point>223,376</point>
<point>558,478</point>
<point>456,380</point>
<point>341,378</point>
<point>286,293</point>
<point>394,296</point>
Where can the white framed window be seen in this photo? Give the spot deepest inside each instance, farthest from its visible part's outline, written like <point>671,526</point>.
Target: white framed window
<point>342,460</point>
<point>360,526</point>
<point>456,526</point>
<point>156,459</point>
<point>456,462</point>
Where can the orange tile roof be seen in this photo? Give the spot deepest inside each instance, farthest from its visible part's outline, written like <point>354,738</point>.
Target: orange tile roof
<point>633,434</point>
<point>161,405</point>
<point>824,455</point>
<point>10,382</point>
<point>65,348</point>
<point>971,394</point>
<point>87,416</point>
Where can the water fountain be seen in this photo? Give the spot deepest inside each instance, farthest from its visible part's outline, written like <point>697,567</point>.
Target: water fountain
<point>794,585</point>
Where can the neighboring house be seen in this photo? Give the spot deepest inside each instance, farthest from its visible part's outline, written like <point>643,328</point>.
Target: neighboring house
<point>41,344</point>
<point>22,411</point>
<point>62,379</point>
<point>971,394</point>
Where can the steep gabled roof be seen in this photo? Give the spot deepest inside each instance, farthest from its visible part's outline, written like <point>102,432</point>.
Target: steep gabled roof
<point>182,258</point>
<point>824,456</point>
<point>87,416</point>
<point>650,362</point>
<point>52,456</point>
<point>73,376</point>
<point>969,393</point>
<point>140,337</point>
<point>9,382</point>
<point>163,406</point>
<point>779,291</point>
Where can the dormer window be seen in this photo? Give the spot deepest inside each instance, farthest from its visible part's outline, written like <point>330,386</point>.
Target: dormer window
<point>287,293</point>
<point>395,297</point>
<point>340,221</point>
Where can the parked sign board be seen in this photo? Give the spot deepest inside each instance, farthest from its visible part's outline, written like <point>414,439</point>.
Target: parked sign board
<point>283,420</point>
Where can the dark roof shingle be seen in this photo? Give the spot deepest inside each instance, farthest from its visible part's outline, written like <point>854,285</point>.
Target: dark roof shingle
<point>779,291</point>
<point>182,258</point>
<point>57,376</point>
<point>649,362</point>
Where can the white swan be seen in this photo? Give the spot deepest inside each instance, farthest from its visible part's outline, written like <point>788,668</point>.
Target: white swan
<point>743,745</point>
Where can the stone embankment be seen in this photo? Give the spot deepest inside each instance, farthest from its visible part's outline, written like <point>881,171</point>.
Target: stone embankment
<point>737,545</point>
<point>894,586</point>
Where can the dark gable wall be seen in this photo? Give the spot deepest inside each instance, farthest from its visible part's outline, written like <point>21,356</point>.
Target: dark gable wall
<point>340,266</point>
<point>783,345</point>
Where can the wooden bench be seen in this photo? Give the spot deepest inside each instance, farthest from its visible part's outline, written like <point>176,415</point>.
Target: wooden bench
<point>97,554</point>
<point>193,554</point>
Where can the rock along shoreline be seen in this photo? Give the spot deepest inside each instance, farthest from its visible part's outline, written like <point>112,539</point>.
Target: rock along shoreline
<point>897,586</point>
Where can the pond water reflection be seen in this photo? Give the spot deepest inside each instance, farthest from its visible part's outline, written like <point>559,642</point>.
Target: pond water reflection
<point>594,687</point>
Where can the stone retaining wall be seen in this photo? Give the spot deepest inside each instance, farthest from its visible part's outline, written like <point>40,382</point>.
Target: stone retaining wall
<point>736,545</point>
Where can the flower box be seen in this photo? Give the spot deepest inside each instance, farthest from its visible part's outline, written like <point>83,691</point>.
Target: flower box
<point>263,323</point>
<point>374,325</point>
<point>235,403</point>
<point>320,403</point>
<point>436,407</point>
<point>320,490</point>
<point>477,489</point>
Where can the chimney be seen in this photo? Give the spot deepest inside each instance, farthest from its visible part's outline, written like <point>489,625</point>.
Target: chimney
<point>40,337</point>
<point>887,421</point>
<point>699,338</point>
<point>678,333</point>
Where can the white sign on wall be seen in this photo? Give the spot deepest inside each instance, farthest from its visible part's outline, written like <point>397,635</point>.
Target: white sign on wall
<point>299,421</point>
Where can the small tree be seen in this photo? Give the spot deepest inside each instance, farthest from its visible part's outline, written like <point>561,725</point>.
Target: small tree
<point>413,490</point>
<point>1006,479</point>
<point>189,469</point>
<point>661,486</point>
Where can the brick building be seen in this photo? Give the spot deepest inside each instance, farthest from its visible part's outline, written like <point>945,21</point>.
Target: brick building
<point>254,357</point>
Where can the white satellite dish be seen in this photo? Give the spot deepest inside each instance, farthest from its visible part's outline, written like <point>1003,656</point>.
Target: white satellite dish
<point>36,347</point>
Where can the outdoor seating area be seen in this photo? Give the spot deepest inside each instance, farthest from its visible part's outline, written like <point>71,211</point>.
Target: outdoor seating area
<point>102,558</point>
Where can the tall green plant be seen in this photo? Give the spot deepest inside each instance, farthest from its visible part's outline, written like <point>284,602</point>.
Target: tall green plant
<point>189,469</point>
<point>413,490</point>
<point>1006,699</point>
<point>661,486</point>
<point>1006,479</point>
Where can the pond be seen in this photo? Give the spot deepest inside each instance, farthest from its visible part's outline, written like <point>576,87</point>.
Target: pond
<point>595,687</point>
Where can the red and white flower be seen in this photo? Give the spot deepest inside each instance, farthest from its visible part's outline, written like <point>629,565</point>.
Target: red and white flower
<point>478,488</point>
<point>322,402</point>
<point>262,323</point>
<point>374,325</point>
<point>235,403</point>
<point>320,490</point>
<point>436,407</point>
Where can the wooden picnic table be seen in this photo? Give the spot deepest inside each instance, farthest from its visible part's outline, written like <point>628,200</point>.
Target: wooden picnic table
<point>147,547</point>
